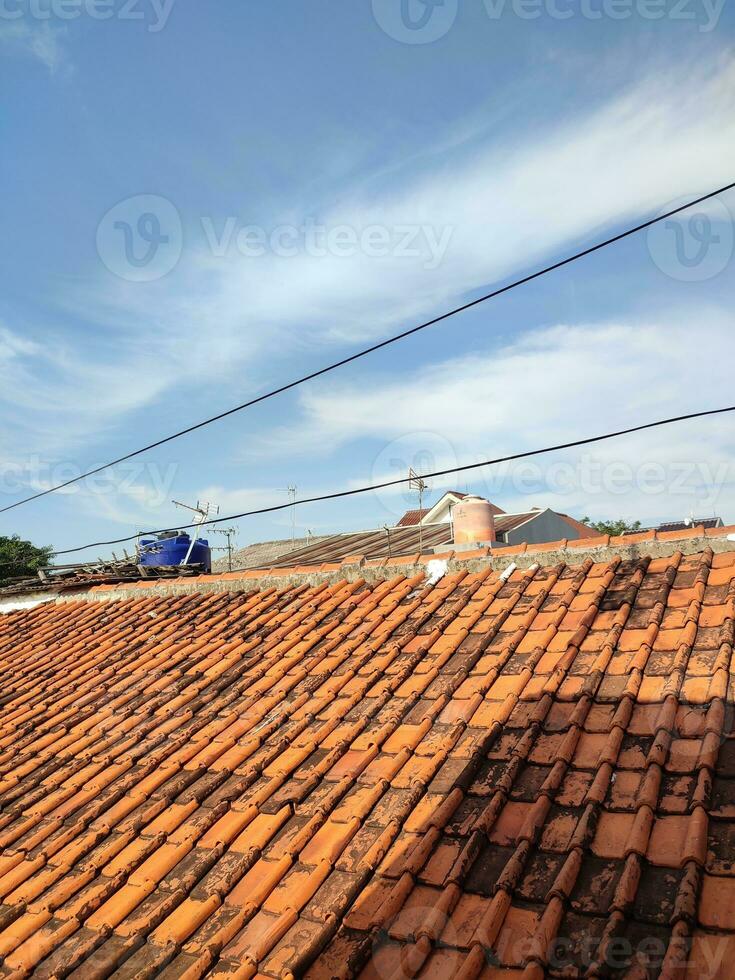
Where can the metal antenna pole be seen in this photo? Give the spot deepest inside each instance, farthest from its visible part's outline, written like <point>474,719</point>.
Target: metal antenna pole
<point>415,481</point>
<point>229,533</point>
<point>203,510</point>
<point>291,491</point>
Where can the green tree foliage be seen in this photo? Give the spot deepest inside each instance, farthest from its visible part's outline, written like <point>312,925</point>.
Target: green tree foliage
<point>615,528</point>
<point>26,558</point>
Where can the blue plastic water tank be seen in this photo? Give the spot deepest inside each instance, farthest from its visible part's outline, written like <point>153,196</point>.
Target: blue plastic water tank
<point>173,551</point>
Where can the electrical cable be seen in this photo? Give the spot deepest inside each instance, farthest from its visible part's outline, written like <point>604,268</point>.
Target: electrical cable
<point>405,479</point>
<point>374,347</point>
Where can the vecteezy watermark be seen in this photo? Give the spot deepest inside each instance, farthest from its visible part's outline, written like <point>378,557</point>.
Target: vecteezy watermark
<point>153,13</point>
<point>696,244</point>
<point>575,954</point>
<point>424,21</point>
<point>571,953</point>
<point>140,239</point>
<point>696,484</point>
<point>317,240</point>
<point>422,452</point>
<point>700,482</point>
<point>705,13</point>
<point>415,21</point>
<point>147,482</point>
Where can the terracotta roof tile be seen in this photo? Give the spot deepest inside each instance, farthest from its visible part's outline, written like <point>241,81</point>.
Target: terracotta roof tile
<point>477,779</point>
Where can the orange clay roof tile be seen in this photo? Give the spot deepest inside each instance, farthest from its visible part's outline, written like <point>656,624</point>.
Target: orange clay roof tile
<point>483,778</point>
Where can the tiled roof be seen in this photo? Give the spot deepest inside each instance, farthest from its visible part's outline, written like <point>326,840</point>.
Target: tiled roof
<point>706,522</point>
<point>492,777</point>
<point>263,553</point>
<point>67,578</point>
<point>583,530</point>
<point>413,517</point>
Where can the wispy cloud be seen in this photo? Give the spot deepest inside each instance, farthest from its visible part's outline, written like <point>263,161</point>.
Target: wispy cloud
<point>580,373</point>
<point>53,395</point>
<point>36,38</point>
<point>509,204</point>
<point>577,381</point>
<point>550,386</point>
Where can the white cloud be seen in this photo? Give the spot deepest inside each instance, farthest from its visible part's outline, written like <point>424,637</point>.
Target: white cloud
<point>242,323</point>
<point>53,395</point>
<point>35,38</point>
<point>13,347</point>
<point>231,501</point>
<point>554,385</point>
<point>509,205</point>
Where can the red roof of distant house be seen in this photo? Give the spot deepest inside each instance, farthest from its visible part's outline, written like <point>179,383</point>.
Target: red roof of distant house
<point>412,517</point>
<point>514,772</point>
<point>584,530</point>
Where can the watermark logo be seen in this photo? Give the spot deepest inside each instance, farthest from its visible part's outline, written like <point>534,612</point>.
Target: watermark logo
<point>567,955</point>
<point>149,483</point>
<point>415,21</point>
<point>695,245</point>
<point>140,239</point>
<point>704,13</point>
<point>425,21</point>
<point>153,13</point>
<point>421,242</point>
<point>693,484</point>
<point>422,452</point>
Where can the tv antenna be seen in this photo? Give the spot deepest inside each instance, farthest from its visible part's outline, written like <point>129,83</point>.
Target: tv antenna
<point>415,482</point>
<point>292,492</point>
<point>387,531</point>
<point>203,509</point>
<point>229,533</point>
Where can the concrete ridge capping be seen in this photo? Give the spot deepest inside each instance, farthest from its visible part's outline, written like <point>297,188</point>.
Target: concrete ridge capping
<point>601,549</point>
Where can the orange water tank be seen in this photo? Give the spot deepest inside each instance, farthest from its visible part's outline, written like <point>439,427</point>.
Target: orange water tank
<point>473,521</point>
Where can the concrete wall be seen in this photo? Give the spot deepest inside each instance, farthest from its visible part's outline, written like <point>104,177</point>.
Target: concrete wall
<point>691,545</point>
<point>546,526</point>
<point>10,605</point>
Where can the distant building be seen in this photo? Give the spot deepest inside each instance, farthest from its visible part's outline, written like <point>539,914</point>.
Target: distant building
<point>708,523</point>
<point>440,513</point>
<point>428,530</point>
<point>534,526</point>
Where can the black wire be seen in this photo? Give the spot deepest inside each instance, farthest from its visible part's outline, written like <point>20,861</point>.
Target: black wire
<point>405,479</point>
<point>375,347</point>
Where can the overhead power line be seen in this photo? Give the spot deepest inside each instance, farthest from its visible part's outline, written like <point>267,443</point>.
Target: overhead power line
<point>375,347</point>
<point>405,479</point>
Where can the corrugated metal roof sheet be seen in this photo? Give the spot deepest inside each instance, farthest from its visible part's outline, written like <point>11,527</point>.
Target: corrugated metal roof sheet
<point>370,544</point>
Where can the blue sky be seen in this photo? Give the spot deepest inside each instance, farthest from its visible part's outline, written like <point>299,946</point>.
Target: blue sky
<point>201,204</point>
